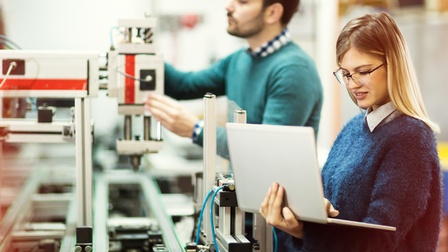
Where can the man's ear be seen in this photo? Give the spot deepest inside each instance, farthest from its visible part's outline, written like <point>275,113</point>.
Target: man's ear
<point>273,13</point>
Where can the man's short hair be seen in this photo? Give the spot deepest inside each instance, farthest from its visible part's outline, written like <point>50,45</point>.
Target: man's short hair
<point>289,8</point>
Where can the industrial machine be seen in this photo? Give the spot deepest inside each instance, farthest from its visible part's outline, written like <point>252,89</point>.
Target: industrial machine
<point>46,74</point>
<point>135,69</point>
<point>223,226</point>
<point>135,219</point>
<point>56,213</point>
<point>75,209</point>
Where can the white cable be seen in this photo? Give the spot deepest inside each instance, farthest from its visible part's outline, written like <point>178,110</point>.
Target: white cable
<point>147,78</point>
<point>11,66</point>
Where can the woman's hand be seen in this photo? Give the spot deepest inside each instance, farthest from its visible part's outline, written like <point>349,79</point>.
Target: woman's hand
<point>331,212</point>
<point>280,217</point>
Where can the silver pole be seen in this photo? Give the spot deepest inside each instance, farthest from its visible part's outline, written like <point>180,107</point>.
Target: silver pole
<point>146,128</point>
<point>127,131</point>
<point>239,116</point>
<point>83,145</point>
<point>209,157</point>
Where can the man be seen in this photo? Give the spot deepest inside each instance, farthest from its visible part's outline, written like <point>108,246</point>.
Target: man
<point>274,80</point>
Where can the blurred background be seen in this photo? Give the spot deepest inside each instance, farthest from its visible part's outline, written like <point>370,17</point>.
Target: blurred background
<point>192,34</point>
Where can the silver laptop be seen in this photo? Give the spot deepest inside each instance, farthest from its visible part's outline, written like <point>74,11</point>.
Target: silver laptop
<point>261,154</point>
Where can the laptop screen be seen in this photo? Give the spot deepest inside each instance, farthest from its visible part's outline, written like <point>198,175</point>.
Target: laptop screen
<point>261,154</point>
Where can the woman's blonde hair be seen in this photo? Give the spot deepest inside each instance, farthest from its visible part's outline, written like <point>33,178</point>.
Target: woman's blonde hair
<point>378,35</point>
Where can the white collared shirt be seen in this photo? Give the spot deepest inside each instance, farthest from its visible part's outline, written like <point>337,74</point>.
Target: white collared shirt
<point>381,115</point>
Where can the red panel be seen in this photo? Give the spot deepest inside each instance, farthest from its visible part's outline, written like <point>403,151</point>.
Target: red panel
<point>129,90</point>
<point>44,84</point>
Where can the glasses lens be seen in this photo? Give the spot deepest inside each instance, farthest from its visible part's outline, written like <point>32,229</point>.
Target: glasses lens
<point>361,78</point>
<point>340,77</point>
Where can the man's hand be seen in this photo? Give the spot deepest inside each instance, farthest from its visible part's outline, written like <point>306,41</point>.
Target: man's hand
<point>173,116</point>
<point>281,218</point>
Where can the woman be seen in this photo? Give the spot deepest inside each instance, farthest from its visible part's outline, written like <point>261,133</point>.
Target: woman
<point>383,167</point>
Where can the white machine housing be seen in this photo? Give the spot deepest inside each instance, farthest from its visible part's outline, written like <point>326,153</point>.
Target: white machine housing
<point>56,74</point>
<point>135,69</point>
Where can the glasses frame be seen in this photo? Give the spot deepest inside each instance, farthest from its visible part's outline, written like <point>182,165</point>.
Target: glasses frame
<point>349,76</point>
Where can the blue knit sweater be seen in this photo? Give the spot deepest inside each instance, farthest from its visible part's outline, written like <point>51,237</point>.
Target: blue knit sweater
<point>282,88</point>
<point>390,176</point>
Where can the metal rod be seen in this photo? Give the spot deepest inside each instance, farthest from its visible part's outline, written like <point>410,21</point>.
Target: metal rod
<point>127,127</point>
<point>83,145</point>
<point>152,192</point>
<point>209,156</point>
<point>239,116</point>
<point>129,35</point>
<point>146,128</point>
<point>159,135</point>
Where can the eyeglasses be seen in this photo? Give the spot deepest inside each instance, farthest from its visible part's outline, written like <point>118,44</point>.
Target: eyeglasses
<point>360,78</point>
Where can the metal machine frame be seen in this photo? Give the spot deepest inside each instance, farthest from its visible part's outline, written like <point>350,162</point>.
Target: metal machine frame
<point>55,74</point>
<point>75,75</point>
<point>19,230</point>
<point>155,219</point>
<point>135,69</point>
<point>229,228</point>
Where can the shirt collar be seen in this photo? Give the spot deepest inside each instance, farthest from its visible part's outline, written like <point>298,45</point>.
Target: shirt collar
<point>381,115</point>
<point>271,46</point>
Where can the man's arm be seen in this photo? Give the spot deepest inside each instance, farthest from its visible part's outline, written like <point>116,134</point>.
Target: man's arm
<point>192,85</point>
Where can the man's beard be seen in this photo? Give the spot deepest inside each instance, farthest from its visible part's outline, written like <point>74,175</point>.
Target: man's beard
<point>253,27</point>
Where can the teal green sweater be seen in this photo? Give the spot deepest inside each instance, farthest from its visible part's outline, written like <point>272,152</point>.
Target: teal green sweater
<point>282,88</point>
